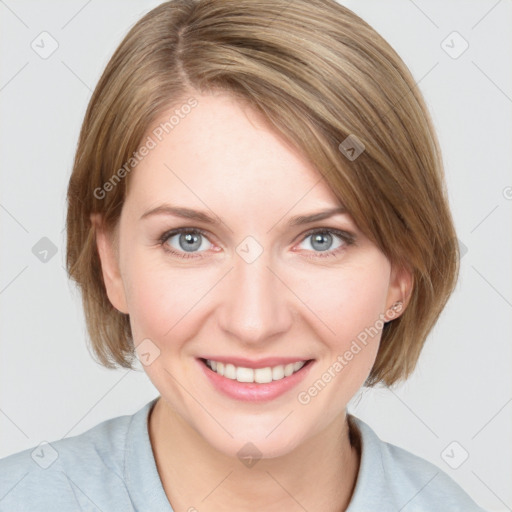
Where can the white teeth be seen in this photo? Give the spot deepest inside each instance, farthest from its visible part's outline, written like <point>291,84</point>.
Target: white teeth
<point>277,372</point>
<point>230,371</point>
<point>288,369</point>
<point>258,375</point>
<point>263,375</point>
<point>245,375</point>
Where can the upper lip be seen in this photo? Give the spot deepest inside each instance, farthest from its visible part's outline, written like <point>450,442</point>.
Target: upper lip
<point>259,363</point>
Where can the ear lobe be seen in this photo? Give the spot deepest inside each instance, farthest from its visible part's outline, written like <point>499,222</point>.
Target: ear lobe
<point>108,254</point>
<point>400,288</point>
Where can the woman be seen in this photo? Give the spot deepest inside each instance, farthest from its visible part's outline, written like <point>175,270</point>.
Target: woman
<point>257,212</point>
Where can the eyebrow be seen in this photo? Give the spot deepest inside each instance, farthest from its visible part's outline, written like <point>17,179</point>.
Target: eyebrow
<point>206,218</point>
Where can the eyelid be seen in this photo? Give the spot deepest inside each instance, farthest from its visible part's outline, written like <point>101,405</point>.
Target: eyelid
<point>347,237</point>
<point>185,229</point>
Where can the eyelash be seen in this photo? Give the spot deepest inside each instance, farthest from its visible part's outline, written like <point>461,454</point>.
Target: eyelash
<point>348,239</point>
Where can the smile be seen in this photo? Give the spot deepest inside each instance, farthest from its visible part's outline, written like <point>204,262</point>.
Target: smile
<point>254,381</point>
<point>258,375</point>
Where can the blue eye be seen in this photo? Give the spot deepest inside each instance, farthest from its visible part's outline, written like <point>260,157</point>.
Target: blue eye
<point>322,239</point>
<point>191,240</point>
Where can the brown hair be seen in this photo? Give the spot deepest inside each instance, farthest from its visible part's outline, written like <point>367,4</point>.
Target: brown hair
<point>323,78</point>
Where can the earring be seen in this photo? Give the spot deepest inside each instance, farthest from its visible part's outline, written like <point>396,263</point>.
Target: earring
<point>397,306</point>
<point>394,310</point>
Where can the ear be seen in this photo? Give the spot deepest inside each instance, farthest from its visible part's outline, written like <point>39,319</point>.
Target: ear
<point>107,244</point>
<point>400,288</point>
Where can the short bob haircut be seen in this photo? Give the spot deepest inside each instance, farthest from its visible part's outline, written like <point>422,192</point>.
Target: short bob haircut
<point>323,78</point>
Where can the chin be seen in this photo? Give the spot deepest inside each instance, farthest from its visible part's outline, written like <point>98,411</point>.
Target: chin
<point>260,439</point>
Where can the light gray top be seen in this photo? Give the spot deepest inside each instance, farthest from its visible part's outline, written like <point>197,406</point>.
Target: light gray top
<point>111,467</point>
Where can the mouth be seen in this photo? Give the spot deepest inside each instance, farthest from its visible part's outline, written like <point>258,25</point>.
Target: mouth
<point>254,384</point>
<point>255,375</point>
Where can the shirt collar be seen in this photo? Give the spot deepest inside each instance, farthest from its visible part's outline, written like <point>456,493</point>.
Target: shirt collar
<point>371,477</point>
<point>142,479</point>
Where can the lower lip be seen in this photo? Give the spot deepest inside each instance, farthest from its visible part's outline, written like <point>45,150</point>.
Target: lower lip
<point>251,391</point>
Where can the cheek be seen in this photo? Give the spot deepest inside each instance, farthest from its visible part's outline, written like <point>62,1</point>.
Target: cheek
<point>348,303</point>
<point>348,299</point>
<point>162,298</point>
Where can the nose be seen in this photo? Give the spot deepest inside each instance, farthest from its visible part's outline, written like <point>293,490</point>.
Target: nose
<point>255,305</point>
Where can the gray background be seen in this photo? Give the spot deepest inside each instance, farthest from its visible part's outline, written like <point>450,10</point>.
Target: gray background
<point>461,391</point>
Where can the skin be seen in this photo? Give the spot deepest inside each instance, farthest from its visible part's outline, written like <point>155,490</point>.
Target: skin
<point>224,159</point>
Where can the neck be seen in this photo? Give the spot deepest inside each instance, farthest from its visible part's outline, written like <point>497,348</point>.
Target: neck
<point>320,474</point>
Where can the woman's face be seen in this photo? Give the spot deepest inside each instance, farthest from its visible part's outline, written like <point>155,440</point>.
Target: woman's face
<point>256,285</point>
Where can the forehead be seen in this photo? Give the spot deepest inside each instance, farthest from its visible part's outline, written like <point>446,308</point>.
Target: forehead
<point>223,155</point>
